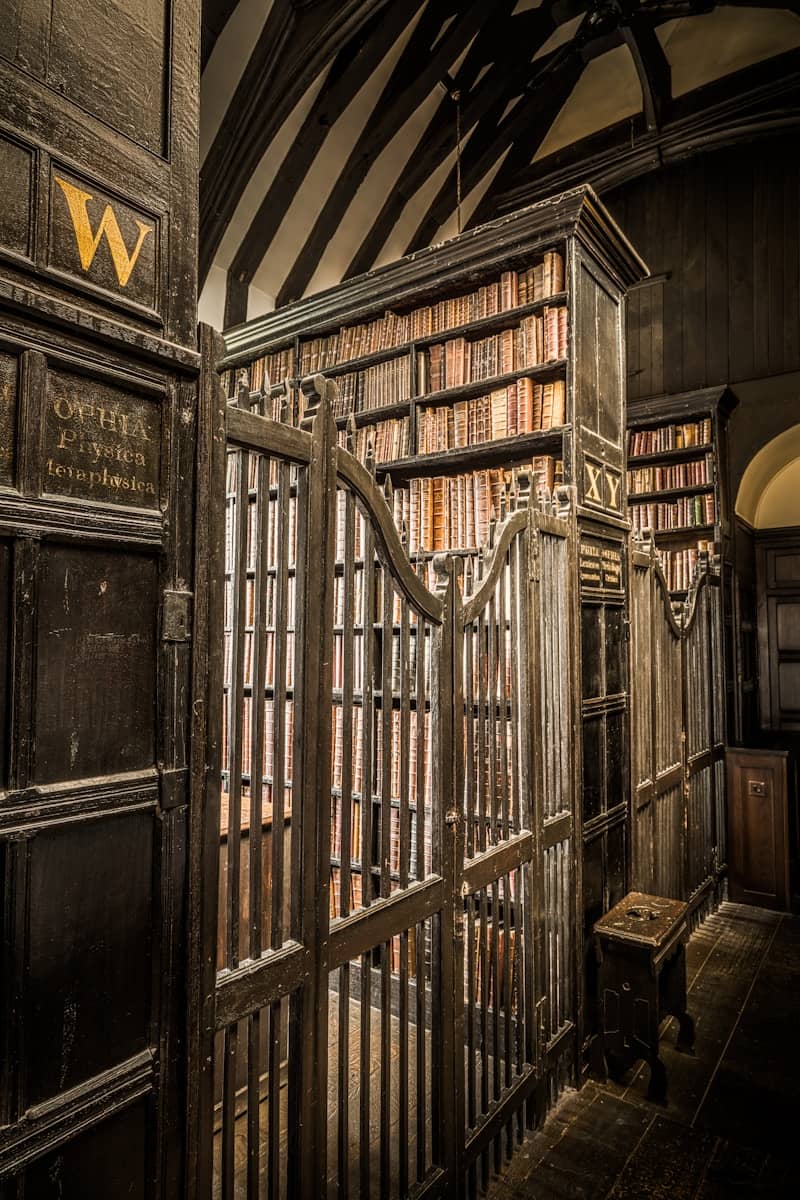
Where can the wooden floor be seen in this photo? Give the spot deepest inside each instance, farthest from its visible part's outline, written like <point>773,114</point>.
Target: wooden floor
<point>731,1127</point>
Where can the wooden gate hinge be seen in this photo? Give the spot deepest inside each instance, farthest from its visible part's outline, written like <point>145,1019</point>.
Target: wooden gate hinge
<point>176,622</point>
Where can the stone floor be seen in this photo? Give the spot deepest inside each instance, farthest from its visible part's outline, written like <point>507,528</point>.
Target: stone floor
<point>731,1127</point>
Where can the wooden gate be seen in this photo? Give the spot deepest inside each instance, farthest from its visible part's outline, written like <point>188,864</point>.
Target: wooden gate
<point>677,742</point>
<point>394,991</point>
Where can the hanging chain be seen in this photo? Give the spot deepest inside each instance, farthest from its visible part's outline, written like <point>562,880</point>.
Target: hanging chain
<point>456,94</point>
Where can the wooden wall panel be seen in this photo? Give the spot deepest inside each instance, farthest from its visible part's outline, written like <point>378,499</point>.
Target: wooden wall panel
<point>99,462</point>
<point>758,825</point>
<point>119,1154</point>
<point>96,658</point>
<point>91,923</point>
<point>720,234</point>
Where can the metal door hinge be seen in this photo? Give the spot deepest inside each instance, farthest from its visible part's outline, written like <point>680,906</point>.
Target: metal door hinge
<point>176,625</point>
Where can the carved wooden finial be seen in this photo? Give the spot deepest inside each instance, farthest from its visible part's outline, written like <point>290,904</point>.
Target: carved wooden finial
<point>243,389</point>
<point>369,457</point>
<point>440,573</point>
<point>313,388</point>
<point>562,500</point>
<point>350,433</point>
<point>492,526</point>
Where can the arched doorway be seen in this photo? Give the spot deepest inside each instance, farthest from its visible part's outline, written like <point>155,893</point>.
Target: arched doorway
<point>768,504</point>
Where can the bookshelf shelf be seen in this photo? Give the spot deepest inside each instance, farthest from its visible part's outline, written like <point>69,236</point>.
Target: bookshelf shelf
<point>493,324</point>
<point>541,372</point>
<point>680,454</point>
<point>669,493</point>
<point>504,450</point>
<point>370,416</point>
<point>680,531</point>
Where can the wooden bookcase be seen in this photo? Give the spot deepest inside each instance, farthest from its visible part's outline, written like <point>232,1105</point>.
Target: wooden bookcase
<point>377,335</point>
<point>678,479</point>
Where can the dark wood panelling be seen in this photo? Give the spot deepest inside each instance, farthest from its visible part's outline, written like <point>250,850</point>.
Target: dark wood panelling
<point>90,925</point>
<point>96,660</point>
<point>72,56</point>
<point>8,417</point>
<point>118,1152</point>
<point>758,827</point>
<point>720,234</point>
<point>99,418</point>
<point>5,655</point>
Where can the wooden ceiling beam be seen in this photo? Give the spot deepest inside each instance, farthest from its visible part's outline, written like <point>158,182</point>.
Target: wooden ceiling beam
<point>216,14</point>
<point>500,84</point>
<point>294,46</point>
<point>409,85</point>
<point>652,67</point>
<point>530,119</point>
<point>756,101</point>
<point>352,66</point>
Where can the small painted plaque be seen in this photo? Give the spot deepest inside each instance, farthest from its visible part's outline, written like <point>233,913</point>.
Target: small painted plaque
<point>99,239</point>
<point>101,442</point>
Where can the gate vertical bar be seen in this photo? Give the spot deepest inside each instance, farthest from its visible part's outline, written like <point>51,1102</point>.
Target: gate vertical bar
<point>206,762</point>
<point>449,699</point>
<point>309,1025</point>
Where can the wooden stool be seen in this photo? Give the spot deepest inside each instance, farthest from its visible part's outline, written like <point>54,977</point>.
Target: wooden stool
<point>642,978</point>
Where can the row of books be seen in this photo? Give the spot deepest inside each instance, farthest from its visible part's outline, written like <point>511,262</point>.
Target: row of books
<point>361,391</point>
<point>269,679</point>
<point>447,512</point>
<point>391,330</point>
<point>408,740</point>
<point>678,475</point>
<point>679,566</point>
<point>252,461</point>
<point>386,439</point>
<point>269,602</point>
<point>538,339</point>
<point>522,407</point>
<point>270,541</point>
<point>687,512</point>
<point>245,713</point>
<point>670,437</point>
<point>272,368</point>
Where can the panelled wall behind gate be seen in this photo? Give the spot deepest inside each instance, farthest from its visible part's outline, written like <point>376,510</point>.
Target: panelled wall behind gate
<point>394,992</point>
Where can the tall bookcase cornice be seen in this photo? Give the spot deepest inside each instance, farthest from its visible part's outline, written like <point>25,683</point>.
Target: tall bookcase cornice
<point>405,283</point>
<point>675,406</point>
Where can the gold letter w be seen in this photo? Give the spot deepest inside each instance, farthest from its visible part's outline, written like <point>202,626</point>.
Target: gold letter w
<point>89,241</point>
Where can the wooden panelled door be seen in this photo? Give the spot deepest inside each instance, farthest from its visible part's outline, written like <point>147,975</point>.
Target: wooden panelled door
<point>98,430</point>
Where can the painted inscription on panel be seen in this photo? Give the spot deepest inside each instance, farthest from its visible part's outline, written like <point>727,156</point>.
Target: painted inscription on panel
<point>101,239</point>
<point>101,442</point>
<point>602,485</point>
<point>600,565</point>
<point>8,417</point>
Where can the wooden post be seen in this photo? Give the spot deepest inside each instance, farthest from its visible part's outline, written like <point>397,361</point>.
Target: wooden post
<point>309,1022</point>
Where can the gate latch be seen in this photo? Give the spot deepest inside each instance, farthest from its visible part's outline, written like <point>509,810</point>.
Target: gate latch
<point>176,623</point>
